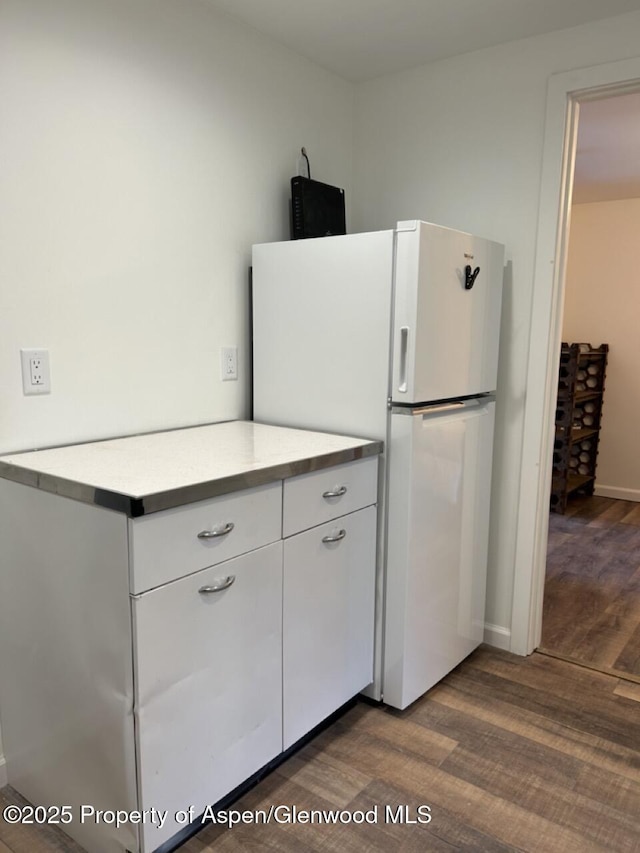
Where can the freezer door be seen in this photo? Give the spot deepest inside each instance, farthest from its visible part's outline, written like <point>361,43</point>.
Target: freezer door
<point>438,527</point>
<point>446,325</point>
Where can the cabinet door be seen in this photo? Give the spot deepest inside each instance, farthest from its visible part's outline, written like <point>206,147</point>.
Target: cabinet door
<point>327,619</point>
<point>208,672</point>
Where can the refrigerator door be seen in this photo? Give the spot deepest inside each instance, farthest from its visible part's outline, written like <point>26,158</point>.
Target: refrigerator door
<point>446,324</point>
<point>438,528</point>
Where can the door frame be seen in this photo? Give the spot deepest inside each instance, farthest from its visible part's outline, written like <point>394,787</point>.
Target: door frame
<point>564,94</point>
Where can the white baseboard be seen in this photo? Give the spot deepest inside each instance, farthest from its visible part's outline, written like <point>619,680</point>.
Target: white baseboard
<point>497,636</point>
<point>3,772</point>
<point>618,493</point>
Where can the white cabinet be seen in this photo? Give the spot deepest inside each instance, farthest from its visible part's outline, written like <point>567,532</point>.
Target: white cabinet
<point>208,667</point>
<point>328,619</point>
<point>153,671</point>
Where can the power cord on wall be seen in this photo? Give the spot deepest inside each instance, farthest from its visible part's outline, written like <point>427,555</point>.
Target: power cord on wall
<point>303,151</point>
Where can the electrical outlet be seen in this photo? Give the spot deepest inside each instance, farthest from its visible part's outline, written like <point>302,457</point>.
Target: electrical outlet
<point>228,363</point>
<point>35,371</point>
<point>36,377</point>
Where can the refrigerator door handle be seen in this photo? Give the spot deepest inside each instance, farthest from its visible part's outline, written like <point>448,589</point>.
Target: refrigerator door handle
<point>440,408</point>
<point>433,410</point>
<point>404,348</point>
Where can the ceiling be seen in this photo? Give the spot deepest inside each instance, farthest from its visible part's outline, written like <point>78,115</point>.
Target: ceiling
<point>361,39</point>
<point>608,150</point>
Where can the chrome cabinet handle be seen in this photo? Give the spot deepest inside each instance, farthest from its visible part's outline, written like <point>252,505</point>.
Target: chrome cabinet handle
<point>335,493</point>
<point>218,587</point>
<point>214,534</point>
<point>339,535</point>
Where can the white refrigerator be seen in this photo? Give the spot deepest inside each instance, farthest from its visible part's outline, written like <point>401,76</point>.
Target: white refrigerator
<point>394,335</point>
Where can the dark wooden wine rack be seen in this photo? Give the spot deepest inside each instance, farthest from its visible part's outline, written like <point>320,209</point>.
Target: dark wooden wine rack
<point>581,381</point>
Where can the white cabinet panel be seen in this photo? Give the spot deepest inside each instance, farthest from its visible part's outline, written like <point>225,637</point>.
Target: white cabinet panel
<point>322,495</point>
<point>208,684</point>
<point>328,619</point>
<point>171,544</point>
<point>65,659</point>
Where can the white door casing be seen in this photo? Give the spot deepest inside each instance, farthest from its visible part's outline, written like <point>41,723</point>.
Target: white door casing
<point>564,94</point>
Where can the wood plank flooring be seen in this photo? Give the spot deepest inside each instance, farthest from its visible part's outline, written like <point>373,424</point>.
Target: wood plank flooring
<point>592,588</point>
<point>510,753</point>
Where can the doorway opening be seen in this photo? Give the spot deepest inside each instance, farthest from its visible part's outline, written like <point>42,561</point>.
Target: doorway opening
<point>591,606</point>
<point>568,93</point>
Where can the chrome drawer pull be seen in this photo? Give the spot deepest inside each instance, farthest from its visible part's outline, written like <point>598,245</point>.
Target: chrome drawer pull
<point>214,534</point>
<point>340,535</point>
<point>223,584</point>
<point>335,493</point>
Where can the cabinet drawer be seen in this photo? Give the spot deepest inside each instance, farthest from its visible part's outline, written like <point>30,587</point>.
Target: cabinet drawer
<point>208,676</point>
<point>312,499</point>
<point>170,544</point>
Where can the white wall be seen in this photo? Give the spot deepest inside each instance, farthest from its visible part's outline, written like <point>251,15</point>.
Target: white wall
<point>144,146</point>
<point>601,306</point>
<point>459,142</point>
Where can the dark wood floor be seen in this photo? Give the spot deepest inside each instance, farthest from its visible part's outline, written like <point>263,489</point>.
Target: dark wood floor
<point>592,589</point>
<point>510,753</point>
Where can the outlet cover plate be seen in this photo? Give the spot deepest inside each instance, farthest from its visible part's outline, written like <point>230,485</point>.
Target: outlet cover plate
<point>36,376</point>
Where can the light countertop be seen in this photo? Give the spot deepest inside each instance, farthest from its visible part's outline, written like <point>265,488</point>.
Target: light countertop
<point>147,473</point>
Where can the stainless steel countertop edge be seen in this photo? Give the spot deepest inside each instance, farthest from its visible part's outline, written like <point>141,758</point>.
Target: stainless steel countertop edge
<point>134,507</point>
